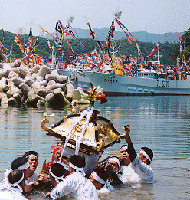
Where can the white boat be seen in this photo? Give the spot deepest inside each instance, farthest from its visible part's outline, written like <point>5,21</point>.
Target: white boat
<point>145,82</point>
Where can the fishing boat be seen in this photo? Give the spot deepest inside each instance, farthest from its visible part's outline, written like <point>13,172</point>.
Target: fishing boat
<point>145,82</point>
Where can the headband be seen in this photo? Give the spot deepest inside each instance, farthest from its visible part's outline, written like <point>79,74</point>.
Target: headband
<point>19,181</point>
<point>31,155</point>
<point>23,167</point>
<point>64,165</point>
<point>97,178</point>
<point>145,154</point>
<point>123,147</point>
<point>56,177</point>
<point>77,168</point>
<point>115,160</point>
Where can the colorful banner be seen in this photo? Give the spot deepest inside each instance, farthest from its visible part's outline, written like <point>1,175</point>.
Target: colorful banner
<point>18,42</point>
<point>126,32</point>
<point>154,49</point>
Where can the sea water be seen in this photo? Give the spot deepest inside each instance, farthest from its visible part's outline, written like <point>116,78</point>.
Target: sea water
<point>161,123</point>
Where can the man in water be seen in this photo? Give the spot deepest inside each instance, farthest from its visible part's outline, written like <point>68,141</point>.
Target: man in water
<point>100,180</point>
<point>75,185</point>
<point>141,162</point>
<point>15,186</point>
<point>128,174</point>
<point>112,169</point>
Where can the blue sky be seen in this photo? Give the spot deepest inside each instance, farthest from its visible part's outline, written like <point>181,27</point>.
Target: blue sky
<point>153,16</point>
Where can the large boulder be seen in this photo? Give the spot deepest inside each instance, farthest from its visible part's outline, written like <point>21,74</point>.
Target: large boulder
<point>76,95</point>
<point>3,84</point>
<point>17,97</point>
<point>4,73</point>
<point>12,101</point>
<point>29,81</point>
<point>69,89</point>
<point>24,89</point>
<point>42,92</point>
<point>52,85</point>
<point>58,98</point>
<point>35,69</point>
<point>43,71</point>
<point>23,71</point>
<point>12,90</point>
<point>3,99</point>
<point>50,77</point>
<point>49,98</point>
<point>17,81</point>
<point>12,74</point>
<point>41,103</point>
<point>62,79</point>
<point>32,99</point>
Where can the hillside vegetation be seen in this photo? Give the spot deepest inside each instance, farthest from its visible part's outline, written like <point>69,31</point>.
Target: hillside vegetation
<point>121,45</point>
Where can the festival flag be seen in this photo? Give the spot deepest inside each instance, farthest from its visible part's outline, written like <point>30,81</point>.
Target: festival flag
<point>31,37</point>
<point>154,49</point>
<point>126,32</point>
<point>70,27</point>
<point>35,45</point>
<point>99,62</point>
<point>93,34</point>
<point>180,42</point>
<point>18,42</point>
<point>112,29</point>
<point>2,47</point>
<point>48,42</point>
<point>48,33</point>
<point>11,49</point>
<point>3,32</point>
<point>59,27</point>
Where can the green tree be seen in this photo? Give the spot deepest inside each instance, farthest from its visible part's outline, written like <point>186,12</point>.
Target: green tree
<point>1,57</point>
<point>185,45</point>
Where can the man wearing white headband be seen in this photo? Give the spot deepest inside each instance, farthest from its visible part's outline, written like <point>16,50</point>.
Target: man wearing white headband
<point>100,180</point>
<point>75,185</point>
<point>15,186</point>
<point>57,173</point>
<point>30,174</point>
<point>140,162</point>
<point>128,174</point>
<point>112,170</point>
<point>20,163</point>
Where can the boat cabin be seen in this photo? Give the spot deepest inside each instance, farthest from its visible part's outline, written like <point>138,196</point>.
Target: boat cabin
<point>147,74</point>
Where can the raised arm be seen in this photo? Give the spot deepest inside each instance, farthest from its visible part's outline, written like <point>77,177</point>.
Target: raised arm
<point>131,150</point>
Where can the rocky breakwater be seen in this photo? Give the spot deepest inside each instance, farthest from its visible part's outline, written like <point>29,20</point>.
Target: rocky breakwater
<point>37,86</point>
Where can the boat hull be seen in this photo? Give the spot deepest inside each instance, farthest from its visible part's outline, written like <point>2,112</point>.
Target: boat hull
<point>115,85</point>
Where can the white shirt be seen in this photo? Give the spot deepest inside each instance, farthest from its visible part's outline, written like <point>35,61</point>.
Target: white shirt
<point>33,178</point>
<point>129,175</point>
<point>10,193</point>
<point>143,170</point>
<point>77,186</point>
<point>106,188</point>
<point>5,178</point>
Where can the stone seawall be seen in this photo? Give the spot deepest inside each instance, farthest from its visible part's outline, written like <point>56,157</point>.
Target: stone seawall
<point>37,86</point>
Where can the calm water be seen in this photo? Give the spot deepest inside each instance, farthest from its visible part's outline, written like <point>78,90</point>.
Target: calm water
<point>161,123</point>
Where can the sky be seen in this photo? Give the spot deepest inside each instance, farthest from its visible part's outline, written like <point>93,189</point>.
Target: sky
<point>153,16</point>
